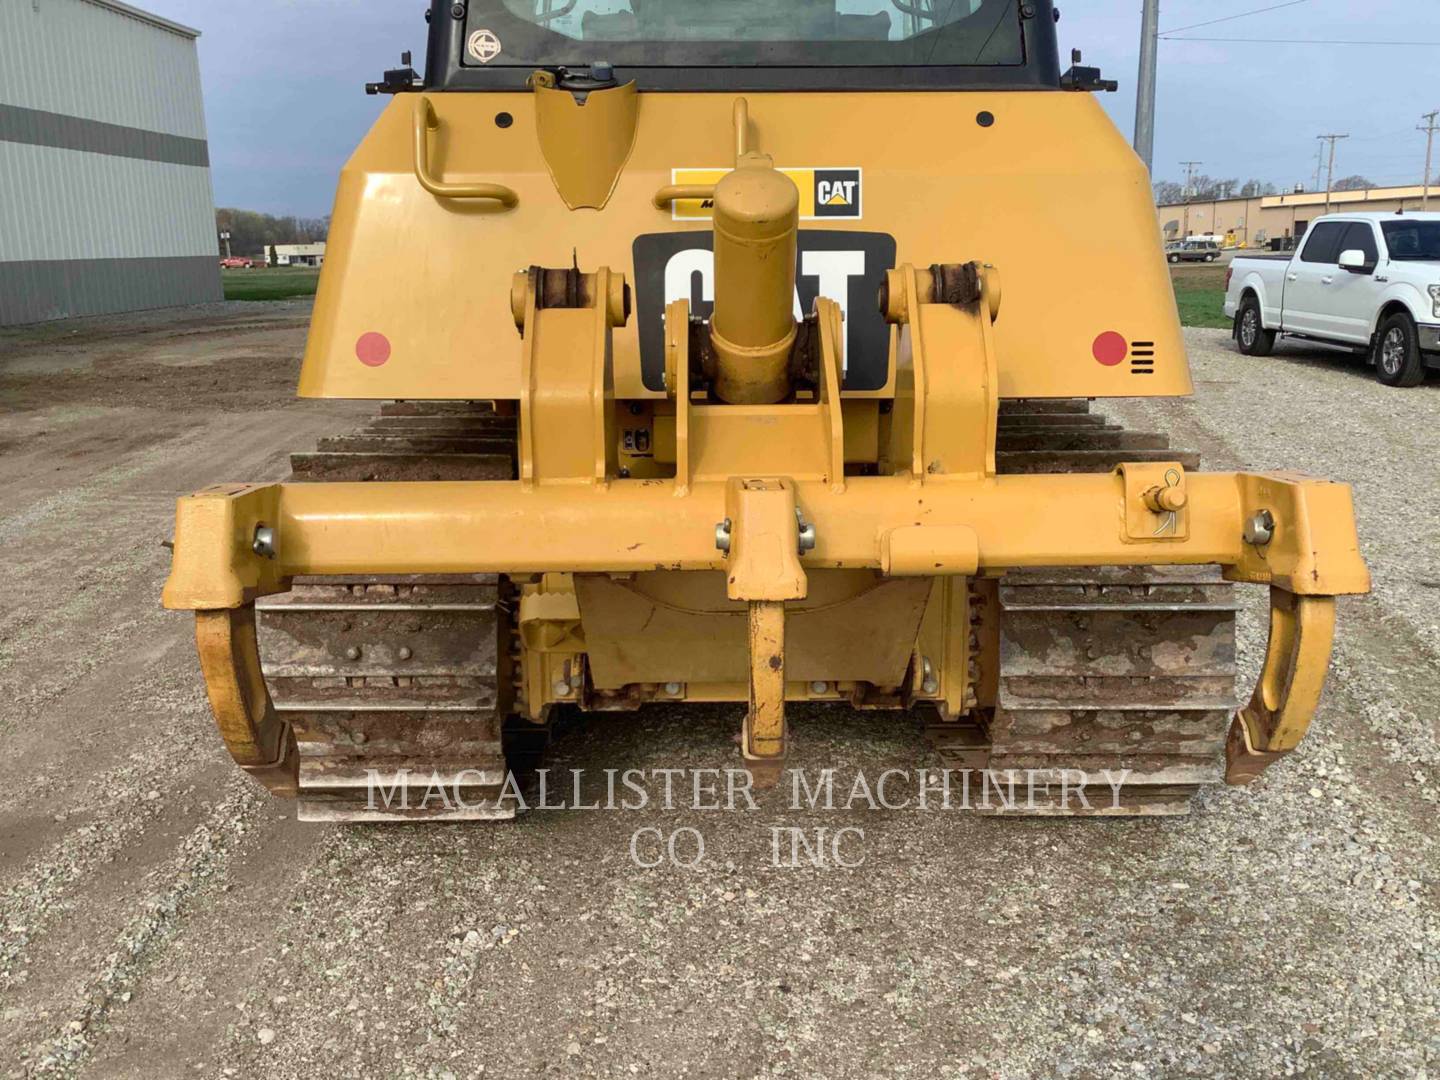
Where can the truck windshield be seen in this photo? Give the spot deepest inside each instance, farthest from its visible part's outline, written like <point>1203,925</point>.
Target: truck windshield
<point>745,33</point>
<point>1413,241</point>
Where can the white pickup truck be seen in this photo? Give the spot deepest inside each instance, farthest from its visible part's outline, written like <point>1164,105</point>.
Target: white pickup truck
<point>1368,282</point>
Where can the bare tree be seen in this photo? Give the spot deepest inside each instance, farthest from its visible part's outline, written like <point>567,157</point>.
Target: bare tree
<point>1252,189</point>
<point>1168,193</point>
<point>252,233</point>
<point>1354,183</point>
<point>1208,189</point>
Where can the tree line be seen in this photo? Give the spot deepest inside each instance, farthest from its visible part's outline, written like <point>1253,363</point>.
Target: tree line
<point>1209,189</point>
<point>253,234</point>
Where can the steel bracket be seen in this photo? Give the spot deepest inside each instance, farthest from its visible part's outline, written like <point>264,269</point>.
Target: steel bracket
<point>258,739</point>
<point>764,558</point>
<point>1156,501</point>
<point>1302,633</point>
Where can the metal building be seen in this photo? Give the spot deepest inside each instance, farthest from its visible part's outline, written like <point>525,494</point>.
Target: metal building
<point>105,196</point>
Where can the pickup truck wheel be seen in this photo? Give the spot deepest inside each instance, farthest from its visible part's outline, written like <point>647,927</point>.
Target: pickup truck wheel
<point>1210,258</point>
<point>1250,332</point>
<point>1174,258</point>
<point>1397,352</point>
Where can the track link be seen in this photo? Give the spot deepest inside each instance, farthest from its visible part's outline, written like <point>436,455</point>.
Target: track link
<point>1128,672</point>
<point>398,686</point>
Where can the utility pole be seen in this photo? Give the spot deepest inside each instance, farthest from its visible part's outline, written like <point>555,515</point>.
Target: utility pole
<point>1145,98</point>
<point>1330,172</point>
<point>1190,167</point>
<point>1319,166</point>
<point>1430,128</point>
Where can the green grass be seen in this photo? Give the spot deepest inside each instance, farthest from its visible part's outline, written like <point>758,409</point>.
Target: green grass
<point>281,283</point>
<point>1200,294</point>
<point>1201,306</point>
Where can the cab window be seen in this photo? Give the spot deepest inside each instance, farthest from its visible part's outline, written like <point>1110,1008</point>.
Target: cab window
<point>1322,245</point>
<point>750,33</point>
<point>1360,237</point>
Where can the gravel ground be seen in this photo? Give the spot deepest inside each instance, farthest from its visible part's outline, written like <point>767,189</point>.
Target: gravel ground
<point>160,916</point>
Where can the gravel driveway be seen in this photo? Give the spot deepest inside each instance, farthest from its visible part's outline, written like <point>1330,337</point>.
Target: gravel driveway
<point>160,916</point>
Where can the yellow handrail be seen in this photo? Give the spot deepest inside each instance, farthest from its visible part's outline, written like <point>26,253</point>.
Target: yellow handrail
<point>673,193</point>
<point>425,122</point>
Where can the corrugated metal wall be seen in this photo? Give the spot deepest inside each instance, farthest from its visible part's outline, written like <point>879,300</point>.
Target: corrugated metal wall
<point>105,195</point>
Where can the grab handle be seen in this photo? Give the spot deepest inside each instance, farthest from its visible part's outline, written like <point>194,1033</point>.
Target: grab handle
<point>673,193</point>
<point>425,122</point>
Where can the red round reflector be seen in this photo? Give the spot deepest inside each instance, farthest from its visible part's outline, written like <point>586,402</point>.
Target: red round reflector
<point>372,349</point>
<point>1110,348</point>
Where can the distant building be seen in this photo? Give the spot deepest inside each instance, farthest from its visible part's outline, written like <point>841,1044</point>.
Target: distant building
<point>1260,221</point>
<point>105,196</point>
<point>300,254</point>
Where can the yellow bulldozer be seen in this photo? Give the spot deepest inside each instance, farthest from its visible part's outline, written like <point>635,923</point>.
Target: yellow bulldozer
<point>701,385</point>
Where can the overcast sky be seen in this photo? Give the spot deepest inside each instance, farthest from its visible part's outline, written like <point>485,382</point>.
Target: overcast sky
<point>285,102</point>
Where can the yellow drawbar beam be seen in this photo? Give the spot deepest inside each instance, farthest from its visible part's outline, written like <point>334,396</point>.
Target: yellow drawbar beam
<point>636,525</point>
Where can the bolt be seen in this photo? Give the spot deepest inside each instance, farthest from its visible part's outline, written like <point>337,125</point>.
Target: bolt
<point>807,532</point>
<point>405,652</point>
<point>722,536</point>
<point>562,688</point>
<point>673,689</point>
<point>457,11</point>
<point>352,653</point>
<point>818,687</point>
<point>264,542</point>
<point>929,684</point>
<point>1260,529</point>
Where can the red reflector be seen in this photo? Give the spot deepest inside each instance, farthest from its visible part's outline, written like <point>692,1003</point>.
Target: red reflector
<point>1110,348</point>
<point>372,349</point>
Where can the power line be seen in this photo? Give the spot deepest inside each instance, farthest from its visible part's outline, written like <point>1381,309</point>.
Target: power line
<point>1386,136</point>
<point>1298,41</point>
<point>1232,18</point>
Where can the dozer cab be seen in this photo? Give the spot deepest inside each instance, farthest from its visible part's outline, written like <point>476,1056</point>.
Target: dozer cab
<point>702,385</point>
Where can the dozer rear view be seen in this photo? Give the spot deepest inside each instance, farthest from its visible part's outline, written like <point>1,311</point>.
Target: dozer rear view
<point>702,386</point>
